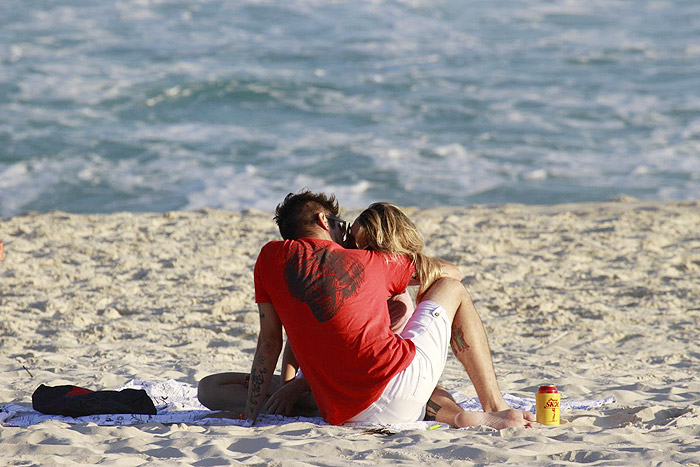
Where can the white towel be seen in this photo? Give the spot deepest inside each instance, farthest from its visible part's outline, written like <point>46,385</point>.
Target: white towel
<point>177,403</point>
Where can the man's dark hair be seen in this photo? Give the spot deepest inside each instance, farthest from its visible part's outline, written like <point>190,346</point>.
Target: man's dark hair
<point>296,215</point>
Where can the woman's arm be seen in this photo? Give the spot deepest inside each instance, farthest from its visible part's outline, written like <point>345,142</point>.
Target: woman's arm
<point>290,367</point>
<point>450,270</point>
<point>446,270</point>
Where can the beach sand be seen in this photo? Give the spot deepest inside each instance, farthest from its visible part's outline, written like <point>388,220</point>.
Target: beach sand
<point>599,299</point>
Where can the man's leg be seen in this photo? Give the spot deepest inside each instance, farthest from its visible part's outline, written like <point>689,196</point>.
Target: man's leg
<point>229,391</point>
<point>224,391</point>
<point>470,346</point>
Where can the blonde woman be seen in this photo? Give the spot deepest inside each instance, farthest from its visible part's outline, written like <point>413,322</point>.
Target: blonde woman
<point>385,228</point>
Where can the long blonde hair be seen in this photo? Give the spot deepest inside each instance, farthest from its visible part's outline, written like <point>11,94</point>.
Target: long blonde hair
<point>384,227</point>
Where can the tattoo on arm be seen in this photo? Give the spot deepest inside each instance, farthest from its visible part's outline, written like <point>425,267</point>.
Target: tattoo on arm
<point>257,377</point>
<point>432,410</point>
<point>458,343</point>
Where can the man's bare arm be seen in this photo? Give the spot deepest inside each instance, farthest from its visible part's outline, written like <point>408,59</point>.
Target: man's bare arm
<point>285,398</point>
<point>265,360</point>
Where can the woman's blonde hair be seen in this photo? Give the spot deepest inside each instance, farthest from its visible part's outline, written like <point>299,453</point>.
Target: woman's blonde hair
<point>384,227</point>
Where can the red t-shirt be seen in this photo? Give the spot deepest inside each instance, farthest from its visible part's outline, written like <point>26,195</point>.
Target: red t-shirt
<point>333,305</point>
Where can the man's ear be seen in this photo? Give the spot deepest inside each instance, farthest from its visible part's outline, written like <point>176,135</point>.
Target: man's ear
<point>322,220</point>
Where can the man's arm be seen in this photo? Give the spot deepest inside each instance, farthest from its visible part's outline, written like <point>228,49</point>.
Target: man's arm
<point>285,398</point>
<point>266,355</point>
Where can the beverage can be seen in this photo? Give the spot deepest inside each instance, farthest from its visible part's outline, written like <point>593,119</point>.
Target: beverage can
<point>548,404</point>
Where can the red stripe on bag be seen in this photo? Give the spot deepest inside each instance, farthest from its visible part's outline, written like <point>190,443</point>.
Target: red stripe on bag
<point>78,391</point>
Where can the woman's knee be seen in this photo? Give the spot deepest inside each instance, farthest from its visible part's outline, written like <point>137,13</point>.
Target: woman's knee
<point>448,285</point>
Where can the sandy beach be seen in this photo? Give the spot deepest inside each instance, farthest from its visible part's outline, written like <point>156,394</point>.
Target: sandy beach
<point>598,299</point>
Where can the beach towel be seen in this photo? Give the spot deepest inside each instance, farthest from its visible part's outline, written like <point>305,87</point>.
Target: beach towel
<point>177,402</point>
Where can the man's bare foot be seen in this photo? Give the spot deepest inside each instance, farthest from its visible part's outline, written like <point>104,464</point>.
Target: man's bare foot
<point>498,420</point>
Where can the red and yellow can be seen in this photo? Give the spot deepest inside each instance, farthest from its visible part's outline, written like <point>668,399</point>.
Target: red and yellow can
<point>548,404</point>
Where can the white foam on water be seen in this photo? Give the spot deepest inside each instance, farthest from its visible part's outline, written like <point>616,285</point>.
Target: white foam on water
<point>231,188</point>
<point>234,104</point>
<point>24,182</point>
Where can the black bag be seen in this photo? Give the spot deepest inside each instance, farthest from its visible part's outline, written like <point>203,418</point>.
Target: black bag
<point>74,401</point>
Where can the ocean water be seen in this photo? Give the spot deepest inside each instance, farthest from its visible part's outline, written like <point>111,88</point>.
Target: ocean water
<point>155,105</point>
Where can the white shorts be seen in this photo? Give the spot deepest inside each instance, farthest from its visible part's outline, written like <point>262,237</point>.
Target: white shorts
<point>407,394</point>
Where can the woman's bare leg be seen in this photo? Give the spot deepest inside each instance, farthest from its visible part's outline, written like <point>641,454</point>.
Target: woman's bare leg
<point>400,310</point>
<point>470,345</point>
<point>444,409</point>
<point>469,342</point>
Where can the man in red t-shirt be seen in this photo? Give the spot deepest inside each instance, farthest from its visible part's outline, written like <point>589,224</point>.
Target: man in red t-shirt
<point>332,303</point>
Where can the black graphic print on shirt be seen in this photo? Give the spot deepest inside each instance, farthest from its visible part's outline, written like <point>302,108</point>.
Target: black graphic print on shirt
<point>323,279</point>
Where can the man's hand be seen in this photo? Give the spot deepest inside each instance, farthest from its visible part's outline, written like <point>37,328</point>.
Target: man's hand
<point>283,400</point>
